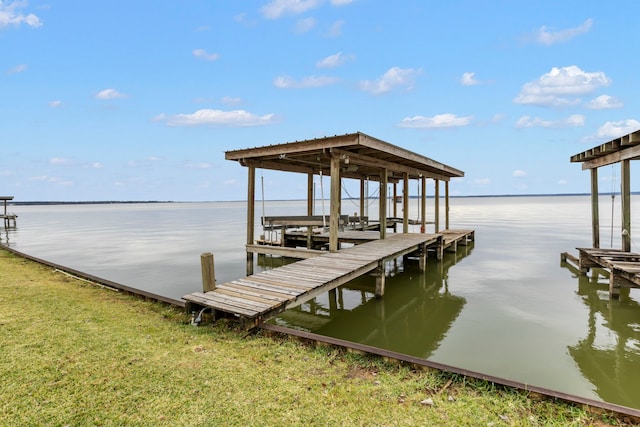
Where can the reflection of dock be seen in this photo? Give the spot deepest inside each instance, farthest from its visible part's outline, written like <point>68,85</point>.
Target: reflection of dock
<point>265,294</point>
<point>8,218</point>
<point>351,312</point>
<point>610,353</point>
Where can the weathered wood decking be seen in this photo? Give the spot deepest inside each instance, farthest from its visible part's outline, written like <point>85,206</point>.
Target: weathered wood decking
<point>623,266</point>
<point>259,296</point>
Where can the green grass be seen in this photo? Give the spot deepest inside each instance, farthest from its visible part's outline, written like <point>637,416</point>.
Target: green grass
<point>77,354</point>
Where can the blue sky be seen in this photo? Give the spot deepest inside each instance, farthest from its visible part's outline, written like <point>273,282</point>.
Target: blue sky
<point>139,100</point>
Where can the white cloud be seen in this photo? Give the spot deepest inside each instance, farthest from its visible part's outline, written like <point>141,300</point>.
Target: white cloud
<point>196,165</point>
<point>107,94</point>
<point>285,82</point>
<point>469,79</point>
<point>59,161</point>
<point>482,181</point>
<point>604,102</point>
<point>203,54</point>
<point>561,87</point>
<point>395,77</point>
<point>17,69</point>
<point>277,8</point>
<point>611,130</point>
<point>52,180</point>
<point>562,182</point>
<point>335,30</point>
<point>231,101</point>
<point>305,25</point>
<point>341,2</point>
<point>334,60</point>
<point>10,15</point>
<point>438,121</point>
<point>547,37</point>
<point>519,173</point>
<point>55,104</point>
<point>96,165</point>
<point>574,120</point>
<point>234,118</point>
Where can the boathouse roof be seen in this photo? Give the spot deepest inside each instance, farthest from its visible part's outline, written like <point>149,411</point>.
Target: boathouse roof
<point>626,147</point>
<point>363,157</point>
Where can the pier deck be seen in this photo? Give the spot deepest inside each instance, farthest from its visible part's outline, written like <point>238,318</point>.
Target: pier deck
<point>262,295</point>
<point>623,266</point>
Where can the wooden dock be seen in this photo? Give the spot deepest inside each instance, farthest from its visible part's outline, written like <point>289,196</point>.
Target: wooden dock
<point>7,218</point>
<point>259,296</point>
<point>623,266</point>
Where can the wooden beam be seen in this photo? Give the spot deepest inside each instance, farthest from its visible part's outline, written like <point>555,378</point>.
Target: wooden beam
<point>292,147</point>
<point>393,150</point>
<point>392,166</point>
<point>595,216</point>
<point>310,194</point>
<point>405,203</point>
<point>334,204</point>
<point>446,205</point>
<point>383,204</point>
<point>437,205</point>
<point>362,200</point>
<point>630,153</point>
<point>423,201</point>
<point>251,197</point>
<point>625,191</point>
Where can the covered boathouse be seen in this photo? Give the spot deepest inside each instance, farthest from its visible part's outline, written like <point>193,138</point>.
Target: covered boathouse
<point>325,264</point>
<point>622,264</point>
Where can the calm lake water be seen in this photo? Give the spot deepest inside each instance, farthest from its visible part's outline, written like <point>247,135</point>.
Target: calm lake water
<point>502,306</point>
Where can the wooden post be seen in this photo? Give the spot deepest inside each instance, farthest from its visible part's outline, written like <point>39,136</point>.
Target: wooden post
<point>423,206</point>
<point>362,201</point>
<point>251,195</point>
<point>446,205</point>
<point>310,194</point>
<point>437,205</point>
<point>383,203</point>
<point>625,190</point>
<point>395,198</point>
<point>423,257</point>
<point>405,203</point>
<point>309,208</point>
<point>334,207</point>
<point>208,272</point>
<point>380,279</point>
<point>595,220</point>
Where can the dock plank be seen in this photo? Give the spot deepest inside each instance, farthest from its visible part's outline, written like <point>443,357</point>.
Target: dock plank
<point>270,291</point>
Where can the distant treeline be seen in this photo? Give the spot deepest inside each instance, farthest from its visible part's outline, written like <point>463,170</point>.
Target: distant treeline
<point>103,202</point>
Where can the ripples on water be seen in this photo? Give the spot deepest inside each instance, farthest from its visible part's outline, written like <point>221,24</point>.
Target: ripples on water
<point>502,306</point>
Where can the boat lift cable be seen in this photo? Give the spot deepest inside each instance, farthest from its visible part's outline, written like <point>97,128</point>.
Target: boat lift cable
<point>344,187</point>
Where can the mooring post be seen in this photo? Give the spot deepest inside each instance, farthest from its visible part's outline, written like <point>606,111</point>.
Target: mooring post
<point>208,272</point>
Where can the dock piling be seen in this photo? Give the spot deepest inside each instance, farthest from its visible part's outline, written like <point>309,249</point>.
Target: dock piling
<point>208,272</point>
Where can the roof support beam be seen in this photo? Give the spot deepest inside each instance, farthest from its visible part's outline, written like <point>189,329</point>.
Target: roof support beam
<point>390,166</point>
<point>629,153</point>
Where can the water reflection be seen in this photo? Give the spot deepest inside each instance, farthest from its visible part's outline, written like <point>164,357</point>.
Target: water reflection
<point>413,316</point>
<point>609,356</point>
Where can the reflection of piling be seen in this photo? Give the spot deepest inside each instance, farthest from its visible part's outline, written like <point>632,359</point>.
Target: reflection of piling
<point>208,272</point>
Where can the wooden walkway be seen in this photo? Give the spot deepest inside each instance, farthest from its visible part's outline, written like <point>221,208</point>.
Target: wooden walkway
<point>259,296</point>
<point>623,267</point>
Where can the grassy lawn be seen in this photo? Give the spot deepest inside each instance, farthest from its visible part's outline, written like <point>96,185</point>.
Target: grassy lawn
<point>76,354</point>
